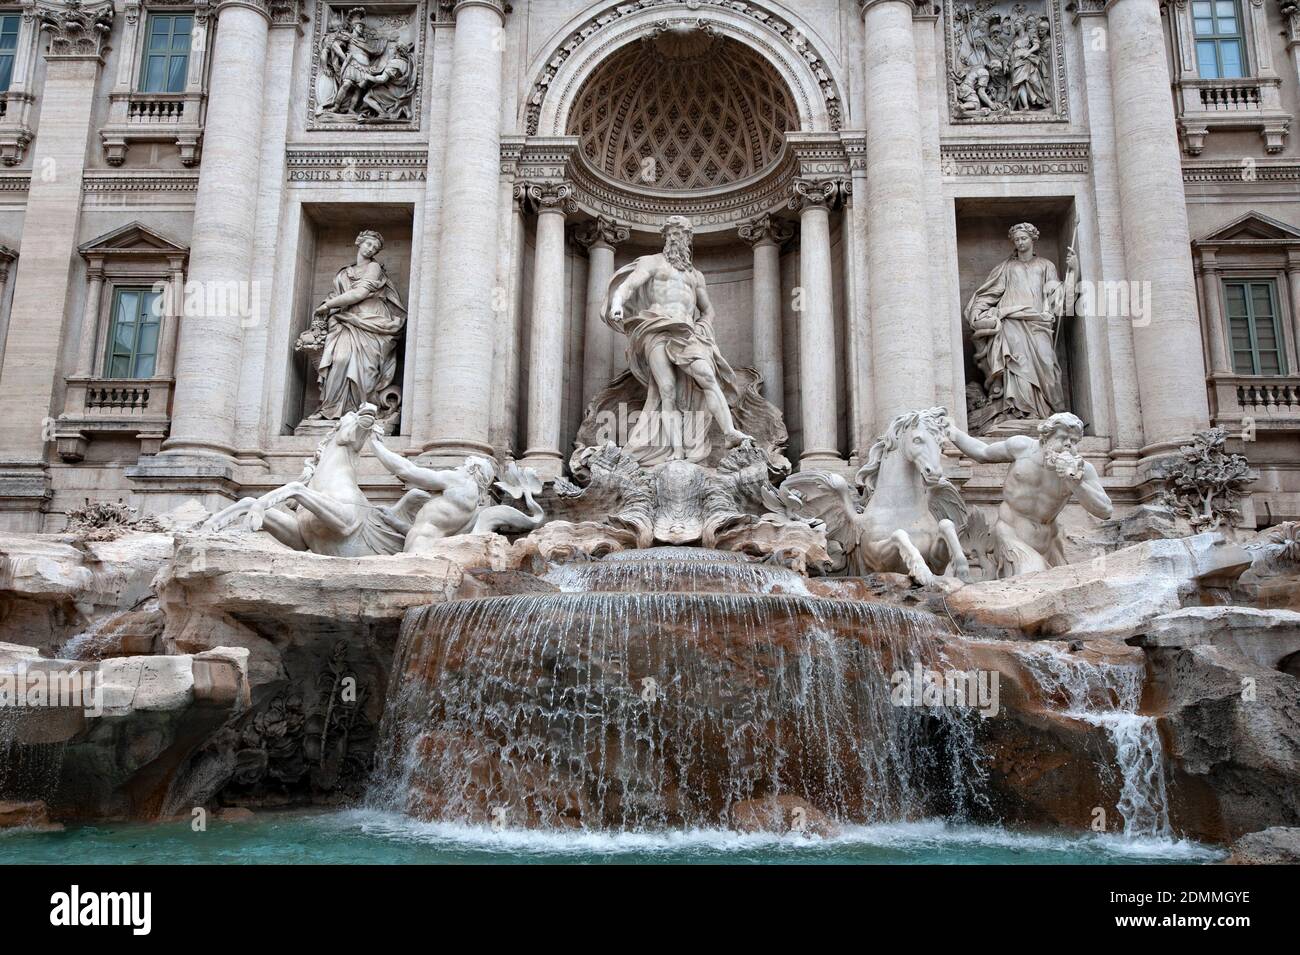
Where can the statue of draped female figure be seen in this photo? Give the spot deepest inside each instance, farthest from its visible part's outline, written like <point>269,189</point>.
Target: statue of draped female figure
<point>356,331</point>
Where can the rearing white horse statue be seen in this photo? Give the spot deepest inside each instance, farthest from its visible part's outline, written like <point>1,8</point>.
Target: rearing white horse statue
<point>908,518</point>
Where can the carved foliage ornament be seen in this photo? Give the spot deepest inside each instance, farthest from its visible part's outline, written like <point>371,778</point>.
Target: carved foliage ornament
<point>549,196</point>
<point>790,34</point>
<point>766,229</point>
<point>76,29</point>
<point>1006,63</point>
<point>603,230</point>
<point>829,192</point>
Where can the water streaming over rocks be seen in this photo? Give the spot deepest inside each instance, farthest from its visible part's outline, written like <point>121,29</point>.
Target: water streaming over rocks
<point>607,708</point>
<point>1108,694</point>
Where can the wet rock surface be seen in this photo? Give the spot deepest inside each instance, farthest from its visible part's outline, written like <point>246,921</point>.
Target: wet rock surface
<point>1193,641</point>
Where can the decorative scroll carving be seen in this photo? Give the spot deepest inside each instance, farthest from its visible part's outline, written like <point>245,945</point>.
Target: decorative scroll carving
<point>603,230</point>
<point>788,33</point>
<point>366,66</point>
<point>766,229</point>
<point>827,192</point>
<point>1005,61</point>
<point>545,196</point>
<point>76,29</point>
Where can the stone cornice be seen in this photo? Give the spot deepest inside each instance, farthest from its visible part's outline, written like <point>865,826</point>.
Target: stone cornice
<point>602,230</point>
<point>1033,158</point>
<point>766,229</point>
<point>78,31</point>
<point>339,164</point>
<point>1242,173</point>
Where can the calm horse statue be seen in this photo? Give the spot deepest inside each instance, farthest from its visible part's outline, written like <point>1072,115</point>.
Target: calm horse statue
<point>909,516</point>
<point>331,514</point>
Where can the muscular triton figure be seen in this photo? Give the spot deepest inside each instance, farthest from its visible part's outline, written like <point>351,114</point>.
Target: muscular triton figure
<point>661,304</point>
<point>1045,474</point>
<point>455,501</point>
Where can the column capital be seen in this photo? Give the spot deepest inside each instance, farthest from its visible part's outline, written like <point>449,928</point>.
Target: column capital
<point>452,8</point>
<point>601,231</point>
<point>272,10</point>
<point>813,193</point>
<point>918,7</point>
<point>78,31</point>
<point>543,197</point>
<point>765,230</point>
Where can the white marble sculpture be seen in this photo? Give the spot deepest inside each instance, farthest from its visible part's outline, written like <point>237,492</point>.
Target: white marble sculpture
<point>1003,61</point>
<point>364,76</point>
<point>909,516</point>
<point>1045,474</point>
<point>356,332</point>
<point>453,501</point>
<point>330,514</point>
<point>661,304</point>
<point>1014,317</point>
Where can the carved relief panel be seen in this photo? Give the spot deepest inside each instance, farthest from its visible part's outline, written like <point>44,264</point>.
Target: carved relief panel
<point>1006,62</point>
<point>366,64</point>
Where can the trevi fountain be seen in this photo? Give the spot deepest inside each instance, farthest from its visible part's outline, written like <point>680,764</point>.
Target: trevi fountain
<point>650,431</point>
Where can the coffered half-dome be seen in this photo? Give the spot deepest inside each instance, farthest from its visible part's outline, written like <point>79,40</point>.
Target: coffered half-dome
<point>684,109</point>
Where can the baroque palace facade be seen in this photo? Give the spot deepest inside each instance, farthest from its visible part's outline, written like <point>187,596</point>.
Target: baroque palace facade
<point>191,189</point>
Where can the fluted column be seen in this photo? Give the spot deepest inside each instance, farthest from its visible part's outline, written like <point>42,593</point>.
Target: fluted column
<point>600,237</point>
<point>546,331</point>
<point>1293,286</point>
<point>816,317</point>
<point>898,255</point>
<point>460,407</point>
<point>767,234</point>
<point>221,252</point>
<point>1153,213</point>
<point>1219,361</point>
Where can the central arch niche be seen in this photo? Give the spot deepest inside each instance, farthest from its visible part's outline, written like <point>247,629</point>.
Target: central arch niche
<point>683,110</point>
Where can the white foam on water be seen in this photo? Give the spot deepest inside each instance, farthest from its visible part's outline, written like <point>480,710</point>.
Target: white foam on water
<point>932,836</point>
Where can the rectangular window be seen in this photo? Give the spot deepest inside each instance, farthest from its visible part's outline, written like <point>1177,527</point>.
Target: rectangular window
<point>1253,327</point>
<point>8,48</point>
<point>1220,46</point>
<point>166,53</point>
<point>133,336</point>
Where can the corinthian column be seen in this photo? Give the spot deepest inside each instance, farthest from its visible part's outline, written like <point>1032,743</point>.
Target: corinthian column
<point>460,402</point>
<point>897,253</point>
<point>599,237</point>
<point>767,235</point>
<point>816,321</point>
<point>221,253</point>
<point>546,330</point>
<point>1153,213</point>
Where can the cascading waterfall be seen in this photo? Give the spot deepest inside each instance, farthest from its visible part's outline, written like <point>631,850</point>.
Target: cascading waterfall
<point>1108,695</point>
<point>611,709</point>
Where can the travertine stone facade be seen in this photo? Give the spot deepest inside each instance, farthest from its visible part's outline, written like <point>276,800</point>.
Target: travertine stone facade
<point>851,168</point>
